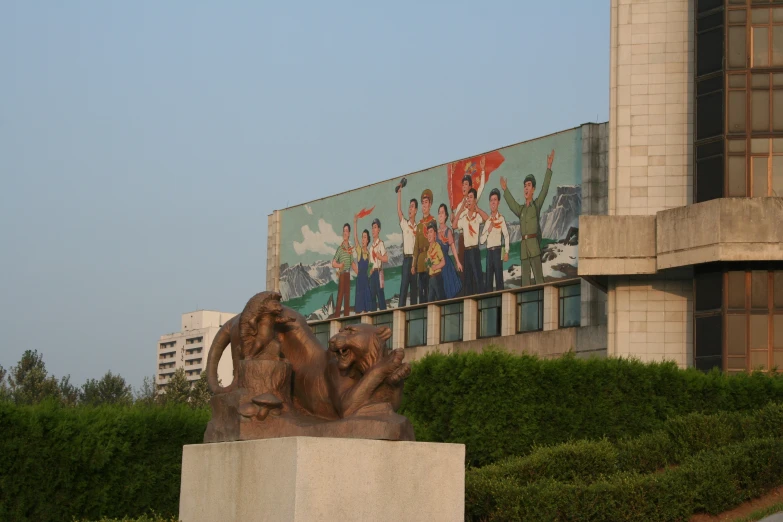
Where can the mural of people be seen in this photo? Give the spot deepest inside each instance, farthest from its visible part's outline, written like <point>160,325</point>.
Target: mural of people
<point>378,256</point>
<point>421,245</point>
<point>361,267</point>
<point>342,261</point>
<point>470,219</point>
<point>435,262</point>
<point>451,280</point>
<point>467,184</point>
<point>529,221</point>
<point>408,229</point>
<point>495,231</point>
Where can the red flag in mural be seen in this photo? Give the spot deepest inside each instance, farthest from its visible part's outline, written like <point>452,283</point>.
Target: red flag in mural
<point>457,170</point>
<point>365,212</point>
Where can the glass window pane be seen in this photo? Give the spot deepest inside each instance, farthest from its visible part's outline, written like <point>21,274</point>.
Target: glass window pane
<point>737,290</point>
<point>736,363</point>
<point>759,176</point>
<point>736,111</point>
<point>736,145</point>
<point>777,145</point>
<point>759,332</point>
<point>777,79</point>
<point>527,297</point>
<point>737,176</point>
<point>489,322</point>
<point>759,145</point>
<point>778,292</point>
<point>777,45</point>
<point>759,110</point>
<point>777,176</point>
<point>570,290</point>
<point>777,326</point>
<point>531,316</point>
<point>759,16</point>
<point>737,80</point>
<point>777,360</point>
<point>737,16</point>
<point>735,334</point>
<point>737,53</point>
<point>760,46</point>
<point>758,289</point>
<point>777,14</point>
<point>451,328</point>
<point>758,360</point>
<point>709,336</point>
<point>759,80</point>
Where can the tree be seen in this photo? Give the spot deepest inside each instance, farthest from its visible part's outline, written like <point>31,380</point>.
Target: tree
<point>29,382</point>
<point>69,394</point>
<point>178,389</point>
<point>111,389</point>
<point>199,392</point>
<point>147,394</point>
<point>5,393</point>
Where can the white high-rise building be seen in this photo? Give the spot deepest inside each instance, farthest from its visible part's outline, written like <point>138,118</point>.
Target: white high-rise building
<point>189,348</point>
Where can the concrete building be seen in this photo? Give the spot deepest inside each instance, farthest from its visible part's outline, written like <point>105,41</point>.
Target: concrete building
<point>189,348</point>
<point>691,250</point>
<point>680,231</point>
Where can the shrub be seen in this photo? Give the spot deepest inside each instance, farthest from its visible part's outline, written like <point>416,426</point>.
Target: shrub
<point>93,462</point>
<point>501,405</point>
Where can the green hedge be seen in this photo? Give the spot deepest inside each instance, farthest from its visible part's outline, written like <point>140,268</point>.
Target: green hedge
<point>501,405</point>
<point>711,481</point>
<point>731,464</point>
<point>58,463</point>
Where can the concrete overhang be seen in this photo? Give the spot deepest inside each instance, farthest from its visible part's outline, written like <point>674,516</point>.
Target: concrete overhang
<point>729,229</point>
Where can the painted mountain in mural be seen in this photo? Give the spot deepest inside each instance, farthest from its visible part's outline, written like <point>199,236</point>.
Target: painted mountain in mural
<point>563,213</point>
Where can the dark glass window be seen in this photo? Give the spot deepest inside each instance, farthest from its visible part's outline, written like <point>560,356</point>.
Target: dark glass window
<point>416,327</point>
<point>709,295</point>
<point>451,317</point>
<point>530,311</point>
<point>386,320</point>
<point>349,322</point>
<point>321,331</point>
<point>489,316</point>
<point>708,343</point>
<point>570,305</point>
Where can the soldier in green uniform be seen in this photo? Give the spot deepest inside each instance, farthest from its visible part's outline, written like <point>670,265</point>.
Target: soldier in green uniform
<point>529,215</point>
<point>420,247</point>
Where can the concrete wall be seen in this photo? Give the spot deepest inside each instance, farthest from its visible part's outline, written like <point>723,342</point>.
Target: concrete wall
<point>585,341</point>
<point>614,245</point>
<point>650,105</point>
<point>273,252</point>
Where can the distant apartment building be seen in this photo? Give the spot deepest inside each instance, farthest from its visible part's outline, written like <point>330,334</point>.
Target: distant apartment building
<point>189,348</point>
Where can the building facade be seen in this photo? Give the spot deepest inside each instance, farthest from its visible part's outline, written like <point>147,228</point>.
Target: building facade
<point>550,312</point>
<point>691,250</point>
<point>188,349</point>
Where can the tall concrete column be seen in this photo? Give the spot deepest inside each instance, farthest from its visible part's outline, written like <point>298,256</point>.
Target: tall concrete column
<point>398,329</point>
<point>469,319</point>
<point>433,324</point>
<point>508,324</point>
<point>551,308</point>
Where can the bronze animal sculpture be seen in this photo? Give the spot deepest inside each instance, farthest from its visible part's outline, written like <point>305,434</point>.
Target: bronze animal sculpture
<point>286,383</point>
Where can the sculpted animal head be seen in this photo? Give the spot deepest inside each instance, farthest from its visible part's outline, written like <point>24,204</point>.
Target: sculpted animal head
<point>360,345</point>
<point>263,303</point>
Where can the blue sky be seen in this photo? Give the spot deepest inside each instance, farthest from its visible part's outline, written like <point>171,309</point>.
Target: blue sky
<point>143,144</point>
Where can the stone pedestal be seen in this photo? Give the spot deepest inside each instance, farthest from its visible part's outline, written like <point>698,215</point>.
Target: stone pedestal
<point>323,479</point>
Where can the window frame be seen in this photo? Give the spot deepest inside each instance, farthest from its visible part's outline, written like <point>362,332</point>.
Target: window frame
<point>561,299</point>
<point>408,321</point>
<point>540,310</point>
<point>389,343</point>
<point>444,312</point>
<point>499,320</point>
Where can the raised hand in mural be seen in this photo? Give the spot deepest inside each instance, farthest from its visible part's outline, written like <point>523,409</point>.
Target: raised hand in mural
<point>483,162</point>
<point>549,160</point>
<point>503,183</point>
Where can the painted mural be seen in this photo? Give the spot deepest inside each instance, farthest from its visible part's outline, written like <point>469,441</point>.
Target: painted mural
<point>501,220</point>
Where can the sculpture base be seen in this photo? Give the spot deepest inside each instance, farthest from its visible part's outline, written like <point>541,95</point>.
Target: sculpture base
<point>305,479</point>
<point>375,421</point>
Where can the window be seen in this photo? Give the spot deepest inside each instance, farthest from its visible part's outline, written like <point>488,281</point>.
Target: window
<point>766,36</point>
<point>489,315</point>
<point>386,320</point>
<point>349,322</point>
<point>570,305</point>
<point>451,317</point>
<point>416,327</point>
<point>530,311</point>
<point>321,332</point>
<point>739,318</point>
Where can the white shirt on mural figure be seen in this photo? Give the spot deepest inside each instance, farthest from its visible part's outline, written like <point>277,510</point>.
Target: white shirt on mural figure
<point>470,227</point>
<point>377,251</point>
<point>495,229</point>
<point>408,236</point>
